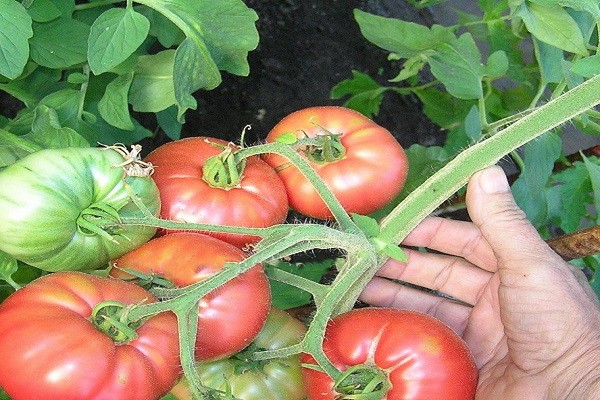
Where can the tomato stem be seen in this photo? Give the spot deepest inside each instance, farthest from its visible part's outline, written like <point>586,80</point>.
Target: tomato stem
<point>363,382</point>
<point>111,317</point>
<point>324,148</point>
<point>224,170</point>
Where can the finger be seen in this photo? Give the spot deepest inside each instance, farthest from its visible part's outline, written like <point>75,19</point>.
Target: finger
<point>516,243</point>
<point>458,238</point>
<point>453,276</point>
<point>382,292</point>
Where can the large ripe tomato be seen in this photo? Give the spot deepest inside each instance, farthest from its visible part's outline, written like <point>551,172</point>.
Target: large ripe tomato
<point>52,349</point>
<point>273,379</point>
<point>367,175</point>
<point>231,316</point>
<point>422,358</point>
<point>259,199</point>
<point>52,200</point>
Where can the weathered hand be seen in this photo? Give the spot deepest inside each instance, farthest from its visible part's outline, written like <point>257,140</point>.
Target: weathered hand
<point>534,324</point>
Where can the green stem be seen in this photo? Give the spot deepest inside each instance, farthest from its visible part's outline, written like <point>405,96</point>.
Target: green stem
<point>83,90</point>
<point>330,307</point>
<point>317,290</point>
<point>340,215</point>
<point>443,184</point>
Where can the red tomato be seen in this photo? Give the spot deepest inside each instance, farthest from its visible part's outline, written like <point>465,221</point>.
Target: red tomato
<point>232,315</point>
<point>422,358</point>
<point>258,201</point>
<point>370,173</point>
<point>51,349</point>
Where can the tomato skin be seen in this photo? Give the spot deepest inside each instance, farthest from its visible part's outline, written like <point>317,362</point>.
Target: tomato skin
<point>372,172</point>
<point>231,316</point>
<point>423,358</point>
<point>275,379</point>
<point>53,352</point>
<point>258,201</point>
<point>43,194</point>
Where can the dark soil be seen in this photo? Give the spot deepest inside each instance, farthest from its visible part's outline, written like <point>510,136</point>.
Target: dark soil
<point>306,47</point>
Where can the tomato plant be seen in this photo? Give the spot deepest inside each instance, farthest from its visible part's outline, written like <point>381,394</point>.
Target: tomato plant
<point>60,209</point>
<point>241,193</point>
<point>414,355</point>
<point>361,162</point>
<point>272,379</point>
<point>62,344</point>
<point>229,317</point>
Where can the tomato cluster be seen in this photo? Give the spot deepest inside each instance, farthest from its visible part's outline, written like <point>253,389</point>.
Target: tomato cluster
<point>71,333</point>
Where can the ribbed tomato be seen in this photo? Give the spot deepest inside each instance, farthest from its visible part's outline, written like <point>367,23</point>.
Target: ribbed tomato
<point>54,348</point>
<point>420,357</point>
<point>229,317</point>
<point>258,199</point>
<point>361,162</point>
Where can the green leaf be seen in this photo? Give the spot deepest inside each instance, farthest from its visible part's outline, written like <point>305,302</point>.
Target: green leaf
<point>473,127</point>
<point>47,131</point>
<point>458,66</point>
<point>15,32</point>
<point>44,11</point>
<point>587,67</point>
<point>225,29</point>
<point>530,189</point>
<point>102,132</point>
<point>113,106</point>
<point>365,93</point>
<point>590,6</point>
<point>442,109</point>
<point>189,59</point>
<point>167,120</point>
<point>406,39</point>
<point>286,296</point>
<point>37,84</point>
<point>287,138</point>
<point>152,88</point>
<point>167,33</point>
<point>395,252</point>
<point>594,171</point>
<point>411,67</point>
<point>497,64</point>
<point>60,43</point>
<point>553,25</point>
<point>114,36</point>
<point>366,224</point>
<point>550,60</point>
<point>575,195</point>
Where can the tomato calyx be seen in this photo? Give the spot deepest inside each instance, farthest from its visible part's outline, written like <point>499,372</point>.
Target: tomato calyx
<point>364,382</point>
<point>244,360</point>
<point>100,219</point>
<point>112,318</point>
<point>326,148</point>
<point>225,170</point>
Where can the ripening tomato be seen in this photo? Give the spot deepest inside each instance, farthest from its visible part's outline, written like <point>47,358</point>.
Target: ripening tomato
<point>361,162</point>
<point>229,317</point>
<point>54,349</point>
<point>257,199</point>
<point>421,358</point>
<point>272,379</point>
<point>60,209</point>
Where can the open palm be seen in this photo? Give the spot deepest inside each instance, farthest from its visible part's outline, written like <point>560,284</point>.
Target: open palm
<point>529,318</point>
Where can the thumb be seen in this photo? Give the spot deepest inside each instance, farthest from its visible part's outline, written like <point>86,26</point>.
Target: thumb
<point>516,243</point>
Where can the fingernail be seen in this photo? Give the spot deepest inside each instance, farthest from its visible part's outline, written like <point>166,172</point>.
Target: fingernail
<point>493,180</point>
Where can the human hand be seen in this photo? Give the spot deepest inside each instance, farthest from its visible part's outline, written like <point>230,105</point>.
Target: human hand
<point>534,324</point>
